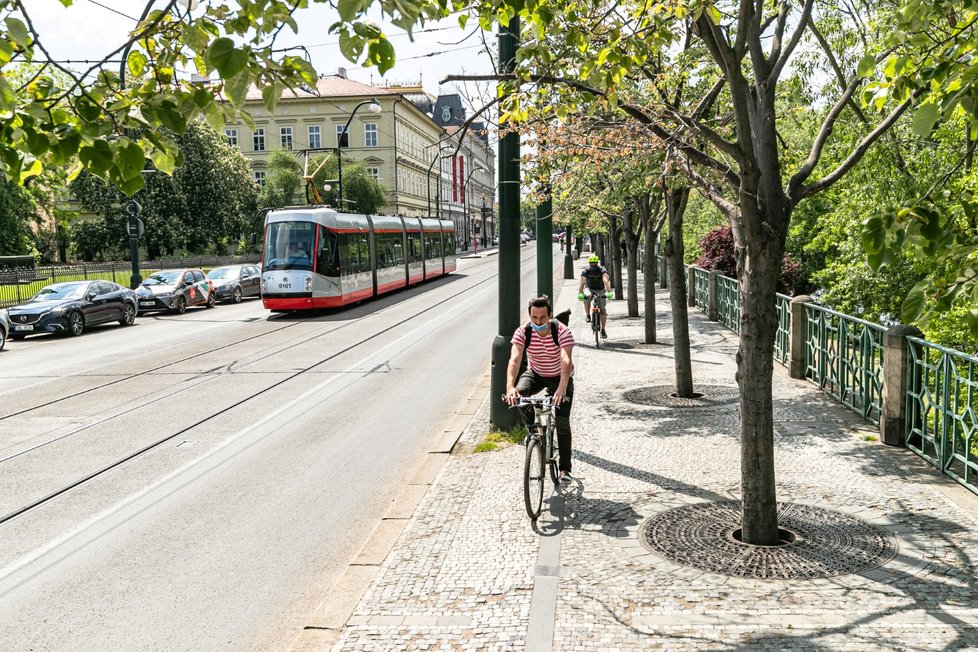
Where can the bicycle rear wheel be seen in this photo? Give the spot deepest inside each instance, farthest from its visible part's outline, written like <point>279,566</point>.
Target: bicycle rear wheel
<point>533,477</point>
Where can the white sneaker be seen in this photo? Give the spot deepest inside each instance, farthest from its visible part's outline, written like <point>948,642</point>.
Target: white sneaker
<point>565,477</point>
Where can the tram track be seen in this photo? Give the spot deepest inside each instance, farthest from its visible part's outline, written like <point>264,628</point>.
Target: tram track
<point>128,377</point>
<point>106,468</point>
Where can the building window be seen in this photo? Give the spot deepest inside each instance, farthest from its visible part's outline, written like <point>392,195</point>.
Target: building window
<point>259,178</point>
<point>345,137</point>
<point>370,135</point>
<point>232,136</point>
<point>258,140</point>
<point>375,173</point>
<point>285,135</point>
<point>315,137</point>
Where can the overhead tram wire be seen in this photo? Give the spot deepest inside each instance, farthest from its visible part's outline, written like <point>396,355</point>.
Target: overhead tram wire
<point>113,10</point>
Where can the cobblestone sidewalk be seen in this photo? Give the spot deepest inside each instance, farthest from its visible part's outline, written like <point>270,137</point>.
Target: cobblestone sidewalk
<point>470,573</point>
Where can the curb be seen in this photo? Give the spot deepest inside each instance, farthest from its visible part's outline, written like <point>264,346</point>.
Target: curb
<point>325,625</point>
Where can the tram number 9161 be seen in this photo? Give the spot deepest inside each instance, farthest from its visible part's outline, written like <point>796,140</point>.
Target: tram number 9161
<point>285,285</point>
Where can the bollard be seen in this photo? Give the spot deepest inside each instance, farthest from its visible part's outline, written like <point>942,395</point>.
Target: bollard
<point>691,286</point>
<point>797,364</point>
<point>893,412</point>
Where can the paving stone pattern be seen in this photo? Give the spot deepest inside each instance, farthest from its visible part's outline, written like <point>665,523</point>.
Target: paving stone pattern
<point>462,574</point>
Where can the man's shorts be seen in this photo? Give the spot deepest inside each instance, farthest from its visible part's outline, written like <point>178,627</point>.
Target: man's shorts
<point>598,299</point>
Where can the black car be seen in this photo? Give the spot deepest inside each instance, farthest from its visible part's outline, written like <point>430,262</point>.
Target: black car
<point>234,282</point>
<point>174,290</point>
<point>72,307</point>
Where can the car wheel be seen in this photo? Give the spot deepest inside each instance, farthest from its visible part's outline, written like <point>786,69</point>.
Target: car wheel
<point>76,324</point>
<point>211,301</point>
<point>180,306</point>
<point>3,339</point>
<point>128,315</point>
<point>236,295</point>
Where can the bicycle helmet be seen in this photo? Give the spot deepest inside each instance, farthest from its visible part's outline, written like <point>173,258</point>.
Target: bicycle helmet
<point>593,259</point>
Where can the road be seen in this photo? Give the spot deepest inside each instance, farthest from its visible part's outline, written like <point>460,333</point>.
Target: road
<point>199,481</point>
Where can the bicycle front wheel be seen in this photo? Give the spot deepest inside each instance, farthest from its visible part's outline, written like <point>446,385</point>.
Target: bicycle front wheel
<point>533,477</point>
<point>597,332</point>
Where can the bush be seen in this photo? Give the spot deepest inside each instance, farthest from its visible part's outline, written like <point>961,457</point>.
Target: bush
<point>717,249</point>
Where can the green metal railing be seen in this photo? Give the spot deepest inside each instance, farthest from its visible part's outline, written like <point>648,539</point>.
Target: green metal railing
<point>942,409</point>
<point>783,338</point>
<point>701,289</point>
<point>728,302</point>
<point>844,357</point>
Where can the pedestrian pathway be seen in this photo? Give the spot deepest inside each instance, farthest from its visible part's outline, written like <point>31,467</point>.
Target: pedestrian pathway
<point>470,572</point>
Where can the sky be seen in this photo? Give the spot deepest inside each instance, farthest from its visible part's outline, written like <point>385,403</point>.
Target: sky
<point>90,29</point>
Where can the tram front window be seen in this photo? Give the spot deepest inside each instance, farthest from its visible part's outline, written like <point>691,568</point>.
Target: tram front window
<point>288,245</point>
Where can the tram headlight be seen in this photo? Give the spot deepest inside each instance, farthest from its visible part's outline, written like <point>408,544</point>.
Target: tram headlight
<point>263,284</point>
<point>308,284</point>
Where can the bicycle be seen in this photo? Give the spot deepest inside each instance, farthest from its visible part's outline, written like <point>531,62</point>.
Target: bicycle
<point>595,320</point>
<point>540,452</point>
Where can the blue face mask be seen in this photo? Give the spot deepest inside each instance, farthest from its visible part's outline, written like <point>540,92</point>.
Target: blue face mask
<point>539,329</point>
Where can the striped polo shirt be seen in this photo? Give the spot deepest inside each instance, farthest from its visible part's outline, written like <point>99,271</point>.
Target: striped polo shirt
<point>542,355</point>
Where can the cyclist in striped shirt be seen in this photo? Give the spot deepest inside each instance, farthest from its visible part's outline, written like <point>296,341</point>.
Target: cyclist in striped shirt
<point>549,366</point>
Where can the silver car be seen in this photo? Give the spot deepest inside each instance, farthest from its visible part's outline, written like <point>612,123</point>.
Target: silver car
<point>4,327</point>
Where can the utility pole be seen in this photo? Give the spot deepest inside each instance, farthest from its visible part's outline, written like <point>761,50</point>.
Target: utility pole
<point>500,414</point>
<point>568,257</point>
<point>545,246</point>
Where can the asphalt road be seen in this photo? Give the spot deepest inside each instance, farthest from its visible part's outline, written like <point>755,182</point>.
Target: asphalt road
<point>273,446</point>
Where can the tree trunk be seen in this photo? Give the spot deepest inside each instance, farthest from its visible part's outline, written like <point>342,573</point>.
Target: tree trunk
<point>598,240</point>
<point>615,250</point>
<point>758,272</point>
<point>674,251</point>
<point>628,222</point>
<point>648,272</point>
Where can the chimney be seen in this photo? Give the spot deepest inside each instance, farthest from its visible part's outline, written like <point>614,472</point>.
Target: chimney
<point>341,72</point>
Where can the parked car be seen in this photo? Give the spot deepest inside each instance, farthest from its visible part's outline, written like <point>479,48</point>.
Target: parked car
<point>233,282</point>
<point>72,307</point>
<point>4,327</point>
<point>175,290</point>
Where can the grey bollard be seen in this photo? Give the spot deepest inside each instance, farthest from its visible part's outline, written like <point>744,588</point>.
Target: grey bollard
<point>893,413</point>
<point>796,345</point>
<point>711,306</point>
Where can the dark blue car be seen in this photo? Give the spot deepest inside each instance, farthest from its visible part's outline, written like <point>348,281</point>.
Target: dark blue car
<point>70,308</point>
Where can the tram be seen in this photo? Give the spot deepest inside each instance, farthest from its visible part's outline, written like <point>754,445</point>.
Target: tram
<point>315,257</point>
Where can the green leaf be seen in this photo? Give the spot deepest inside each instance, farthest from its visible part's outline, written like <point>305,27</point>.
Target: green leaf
<point>381,53</point>
<point>925,118</point>
<point>225,58</point>
<point>130,159</point>
<point>913,304</point>
<point>136,63</point>
<point>8,101</point>
<point>236,88</point>
<point>17,32</point>
<point>873,235</point>
<point>866,65</point>
<point>97,157</point>
<point>271,94</point>
<point>130,186</point>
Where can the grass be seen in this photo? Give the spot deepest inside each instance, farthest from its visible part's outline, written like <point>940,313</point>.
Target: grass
<point>497,439</point>
<point>869,438</point>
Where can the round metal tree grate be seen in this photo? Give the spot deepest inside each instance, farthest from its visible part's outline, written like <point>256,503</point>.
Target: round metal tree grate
<point>817,542</point>
<point>665,396</point>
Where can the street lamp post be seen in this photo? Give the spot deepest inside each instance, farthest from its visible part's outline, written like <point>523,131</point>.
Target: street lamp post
<point>438,157</point>
<point>465,205</point>
<point>374,107</point>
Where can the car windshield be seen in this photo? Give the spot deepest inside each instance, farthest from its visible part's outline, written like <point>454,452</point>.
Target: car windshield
<point>60,292</point>
<point>287,245</point>
<point>163,278</point>
<point>221,273</point>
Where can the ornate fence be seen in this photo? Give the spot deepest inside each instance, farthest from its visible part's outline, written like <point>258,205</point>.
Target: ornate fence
<point>728,303</point>
<point>20,284</point>
<point>701,288</point>
<point>782,340</point>
<point>844,357</point>
<point>942,409</point>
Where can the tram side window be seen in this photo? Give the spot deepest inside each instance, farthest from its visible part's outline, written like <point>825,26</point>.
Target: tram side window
<point>363,242</point>
<point>349,253</point>
<point>327,262</point>
<point>389,250</point>
<point>414,248</point>
<point>397,249</point>
<point>433,246</point>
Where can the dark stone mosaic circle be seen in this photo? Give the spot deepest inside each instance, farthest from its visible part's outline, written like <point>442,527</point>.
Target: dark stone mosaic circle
<point>663,396</point>
<point>826,543</point>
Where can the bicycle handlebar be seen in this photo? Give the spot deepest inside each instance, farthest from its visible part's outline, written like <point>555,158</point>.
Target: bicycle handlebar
<point>543,402</point>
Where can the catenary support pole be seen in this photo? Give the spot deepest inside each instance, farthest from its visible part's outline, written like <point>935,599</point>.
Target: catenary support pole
<point>545,247</point>
<point>500,414</point>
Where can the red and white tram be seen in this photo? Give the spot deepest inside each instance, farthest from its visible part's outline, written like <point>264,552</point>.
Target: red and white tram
<point>318,258</point>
